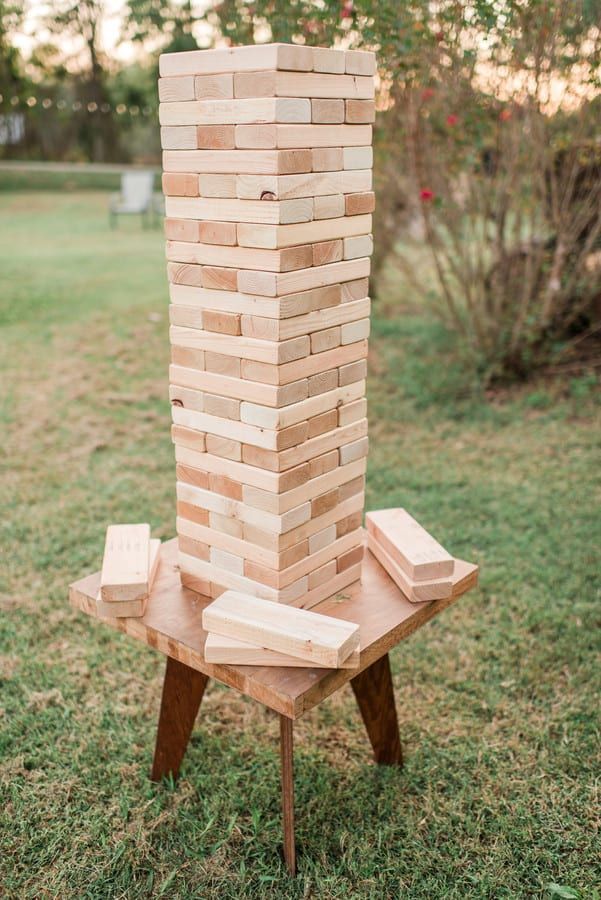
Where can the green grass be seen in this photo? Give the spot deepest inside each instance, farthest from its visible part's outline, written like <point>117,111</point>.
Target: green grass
<point>498,699</point>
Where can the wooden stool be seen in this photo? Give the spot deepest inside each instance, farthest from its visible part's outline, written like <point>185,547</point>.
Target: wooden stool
<point>172,625</point>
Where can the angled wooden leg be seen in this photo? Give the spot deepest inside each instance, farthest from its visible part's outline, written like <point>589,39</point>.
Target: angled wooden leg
<point>375,697</point>
<point>287,755</point>
<point>183,688</point>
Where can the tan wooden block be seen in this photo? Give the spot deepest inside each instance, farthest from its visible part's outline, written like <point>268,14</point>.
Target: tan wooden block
<point>125,564</point>
<point>319,638</point>
<point>180,184</point>
<point>316,320</point>
<point>360,112</point>
<point>352,487</point>
<point>358,157</point>
<point>273,236</point>
<point>272,441</point>
<point>360,62</point>
<point>354,331</point>
<point>324,340</point>
<point>284,373</point>
<point>131,608</point>
<point>322,575</point>
<point>324,503</point>
<point>218,279</point>
<point>181,230</point>
<point>322,382</point>
<point>328,112</point>
<point>224,162</point>
<point>291,436</point>
<point>331,588</point>
<point>352,412</point>
<point>220,364</point>
<point>232,112</point>
<point>359,204</point>
<point>327,159</point>
<point>277,524</point>
<point>260,573</point>
<point>255,392</point>
<point>322,539</point>
<point>328,60</point>
<point>356,181</point>
<point>198,585</point>
<point>322,464</point>
<point>215,137</point>
<point>277,354</point>
<point>224,407</point>
<point>193,513</point>
<point>349,523</point>
<point>217,233</point>
<point>184,274</point>
<point>225,560</point>
<point>217,186</point>
<point>330,207</point>
<point>280,503</point>
<point>288,137</point>
<point>174,89</point>
<point>183,356</point>
<point>326,252</point>
<point>350,558</point>
<point>277,482</point>
<point>286,307</point>
<point>312,84</point>
<point>255,84</point>
<point>290,57</point>
<point>226,525</point>
<point>324,422</point>
<point>415,591</point>
<point>355,371</point>
<point>224,323</point>
<point>222,446</point>
<point>186,437</point>
<point>276,284</point>
<point>197,477</point>
<point>227,651</point>
<point>290,187</point>
<point>409,544</point>
<point>223,484</point>
<point>217,255</point>
<point>355,290</point>
<point>358,246</point>
<point>266,212</point>
<point>352,451</point>
<point>176,138</point>
<point>186,398</point>
<point>256,137</point>
<point>213,87</point>
<point>193,547</point>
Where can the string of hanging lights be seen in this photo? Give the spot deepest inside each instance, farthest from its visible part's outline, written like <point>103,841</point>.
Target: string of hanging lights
<point>15,102</point>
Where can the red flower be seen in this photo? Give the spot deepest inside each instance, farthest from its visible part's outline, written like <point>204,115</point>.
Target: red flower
<point>347,10</point>
<point>425,195</point>
<point>427,93</point>
<point>439,36</point>
<point>452,119</point>
<point>505,115</point>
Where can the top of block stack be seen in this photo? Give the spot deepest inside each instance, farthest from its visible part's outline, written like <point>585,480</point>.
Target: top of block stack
<point>283,57</point>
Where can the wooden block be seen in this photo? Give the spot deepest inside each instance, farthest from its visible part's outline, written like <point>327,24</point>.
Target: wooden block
<point>354,290</point>
<point>180,184</point>
<point>227,386</point>
<point>240,431</point>
<point>358,246</point>
<point>350,558</point>
<point>352,332</point>
<point>273,237</point>
<point>328,60</point>
<point>356,181</point>
<point>276,284</point>
<point>322,575</point>
<point>266,212</point>
<point>360,62</point>
<point>357,157</point>
<point>223,525</point>
<point>286,459</point>
<point>322,464</point>
<point>324,503</point>
<point>275,524</point>
<point>289,57</point>
<point>324,422</point>
<point>227,561</point>
<point>215,137</point>
<point>232,112</point>
<point>312,84</point>
<point>290,187</point>
<point>224,162</point>
<point>327,159</point>
<point>328,112</point>
<point>355,371</point>
<point>181,230</point>
<point>294,137</point>
<point>217,186</point>
<point>360,112</point>
<point>326,252</point>
<point>269,352</point>
<point>225,447</point>
<point>330,207</point>
<point>322,382</point>
<point>300,633</point>
<point>285,373</point>
<point>415,591</point>
<point>410,545</point>
<point>125,564</point>
<point>134,608</point>
<point>325,340</point>
<point>174,89</point>
<point>353,450</point>
<point>192,513</point>
<point>267,417</point>
<point>213,87</point>
<point>346,477</point>
<point>192,475</point>
<point>218,279</point>
<point>224,323</point>
<point>220,364</point>
<point>359,204</point>
<point>223,484</point>
<point>286,307</point>
<point>193,547</point>
<point>228,651</point>
<point>179,138</point>
<point>348,523</point>
<point>217,255</point>
<point>186,398</point>
<point>322,539</point>
<point>352,412</point>
<point>256,137</point>
<point>317,320</point>
<point>217,233</point>
<point>185,437</point>
<point>223,407</point>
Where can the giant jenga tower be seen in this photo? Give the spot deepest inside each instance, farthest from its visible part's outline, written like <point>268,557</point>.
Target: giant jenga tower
<point>267,178</point>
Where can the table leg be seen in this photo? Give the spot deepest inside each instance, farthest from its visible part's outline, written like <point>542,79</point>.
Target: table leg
<point>287,756</point>
<point>375,697</point>
<point>183,688</point>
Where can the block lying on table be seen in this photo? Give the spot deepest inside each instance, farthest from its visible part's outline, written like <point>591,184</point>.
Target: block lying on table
<point>128,608</point>
<point>285,629</point>
<point>125,563</point>
<point>415,591</point>
<point>232,652</point>
<point>412,548</point>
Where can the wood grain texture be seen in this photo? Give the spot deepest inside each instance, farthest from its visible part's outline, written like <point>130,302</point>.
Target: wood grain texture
<point>375,697</point>
<point>287,762</point>
<point>183,689</point>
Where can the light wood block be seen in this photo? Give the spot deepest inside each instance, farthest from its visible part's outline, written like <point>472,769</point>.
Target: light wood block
<point>226,112</point>
<point>289,137</point>
<point>174,89</point>
<point>300,633</point>
<point>195,255</point>
<point>267,417</point>
<point>328,60</point>
<point>410,545</point>
<point>179,137</point>
<point>125,564</point>
<point>275,237</point>
<point>213,87</point>
<point>224,162</point>
<point>280,503</point>
<point>237,59</point>
<point>354,450</point>
<point>354,290</point>
<point>228,651</point>
<point>360,62</point>
<point>352,411</point>
<point>289,187</point>
<point>273,212</point>
<point>357,246</point>
<point>215,137</point>
<point>357,157</point>
<point>351,332</point>
<point>359,204</point>
<point>280,329</point>
<point>313,84</point>
<point>245,348</point>
<point>180,184</point>
<point>330,207</point>
<point>217,186</point>
<point>275,284</point>
<point>328,112</point>
<point>415,591</point>
<point>303,369</point>
<point>276,396</point>
<point>181,230</point>
<point>132,608</point>
<point>327,159</point>
<point>360,112</point>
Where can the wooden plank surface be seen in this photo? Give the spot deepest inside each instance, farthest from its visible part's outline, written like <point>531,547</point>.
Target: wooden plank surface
<point>220,649</point>
<point>125,562</point>
<point>172,624</point>
<point>411,546</point>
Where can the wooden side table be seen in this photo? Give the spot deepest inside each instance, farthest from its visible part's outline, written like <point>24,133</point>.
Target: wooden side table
<point>172,625</point>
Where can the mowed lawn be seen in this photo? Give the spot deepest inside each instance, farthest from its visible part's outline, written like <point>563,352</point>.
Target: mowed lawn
<point>498,698</point>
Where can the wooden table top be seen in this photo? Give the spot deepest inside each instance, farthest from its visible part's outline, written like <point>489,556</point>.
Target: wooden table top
<point>172,624</point>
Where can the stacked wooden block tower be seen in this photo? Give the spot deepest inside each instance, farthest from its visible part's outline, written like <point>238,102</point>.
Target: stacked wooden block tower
<point>267,177</point>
